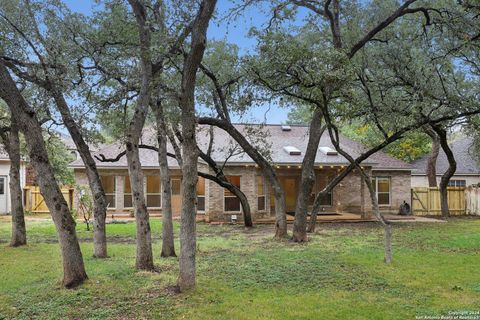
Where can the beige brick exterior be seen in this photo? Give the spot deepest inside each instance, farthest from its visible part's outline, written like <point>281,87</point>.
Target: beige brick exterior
<point>349,196</point>
<point>399,189</point>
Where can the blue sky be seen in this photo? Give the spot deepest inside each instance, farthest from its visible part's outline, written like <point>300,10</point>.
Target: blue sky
<point>234,32</point>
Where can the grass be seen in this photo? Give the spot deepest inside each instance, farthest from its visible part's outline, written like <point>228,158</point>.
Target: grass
<point>243,274</point>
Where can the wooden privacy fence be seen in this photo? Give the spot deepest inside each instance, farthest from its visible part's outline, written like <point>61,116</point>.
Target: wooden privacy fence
<point>34,202</point>
<point>472,200</point>
<point>426,201</point>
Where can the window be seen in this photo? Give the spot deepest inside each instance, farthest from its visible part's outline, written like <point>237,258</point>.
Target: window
<point>2,185</point>
<point>381,186</point>
<point>127,193</point>
<point>176,186</point>
<point>261,199</point>
<point>457,183</point>
<point>154,192</point>
<point>108,183</point>
<point>230,202</point>
<point>201,194</point>
<point>323,178</point>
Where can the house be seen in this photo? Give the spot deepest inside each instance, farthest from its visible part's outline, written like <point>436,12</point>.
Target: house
<point>286,146</point>
<point>5,205</point>
<point>468,168</point>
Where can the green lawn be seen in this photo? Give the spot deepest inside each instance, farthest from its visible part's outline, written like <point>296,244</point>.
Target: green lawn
<point>242,274</point>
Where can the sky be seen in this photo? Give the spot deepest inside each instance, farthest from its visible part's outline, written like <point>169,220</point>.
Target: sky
<point>235,32</point>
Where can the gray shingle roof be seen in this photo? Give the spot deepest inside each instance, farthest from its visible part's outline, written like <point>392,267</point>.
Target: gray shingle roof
<point>275,139</point>
<point>463,152</point>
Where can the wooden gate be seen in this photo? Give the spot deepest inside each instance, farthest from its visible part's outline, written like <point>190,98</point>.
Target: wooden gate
<point>426,201</point>
<point>34,202</point>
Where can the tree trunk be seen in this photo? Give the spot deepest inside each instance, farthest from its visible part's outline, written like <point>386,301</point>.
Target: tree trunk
<point>386,224</point>
<point>447,175</point>
<point>144,256</point>
<point>388,243</point>
<point>186,279</point>
<point>312,222</point>
<point>221,180</point>
<point>316,206</point>
<point>73,267</point>
<point>431,169</point>
<point>307,179</point>
<point>12,146</point>
<point>168,246</point>
<point>95,184</point>
<point>247,214</point>
<point>267,169</point>
<point>387,228</point>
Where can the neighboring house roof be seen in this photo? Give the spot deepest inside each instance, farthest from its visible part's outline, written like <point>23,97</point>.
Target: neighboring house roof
<point>70,144</point>
<point>66,139</point>
<point>3,154</point>
<point>462,150</point>
<point>274,139</point>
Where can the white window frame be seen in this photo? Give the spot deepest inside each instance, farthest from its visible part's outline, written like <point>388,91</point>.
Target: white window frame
<point>264,193</point>
<point>376,179</point>
<point>152,193</point>
<point>114,191</point>
<point>456,181</point>
<point>203,196</point>
<point>171,186</point>
<point>124,194</point>
<point>224,196</point>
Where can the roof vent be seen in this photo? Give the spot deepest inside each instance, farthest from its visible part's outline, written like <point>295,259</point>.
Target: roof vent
<point>328,151</point>
<point>286,128</point>
<point>292,151</point>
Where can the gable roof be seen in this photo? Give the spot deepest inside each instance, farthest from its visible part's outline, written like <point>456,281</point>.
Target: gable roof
<point>462,150</point>
<point>274,139</point>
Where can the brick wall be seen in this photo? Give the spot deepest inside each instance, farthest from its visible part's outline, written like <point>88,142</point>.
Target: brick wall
<point>247,185</point>
<point>30,178</point>
<point>351,194</point>
<point>348,196</point>
<point>399,189</point>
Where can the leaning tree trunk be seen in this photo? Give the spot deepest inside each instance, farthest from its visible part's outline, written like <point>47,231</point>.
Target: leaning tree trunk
<point>387,227</point>
<point>73,267</point>
<point>307,179</point>
<point>431,169</point>
<point>317,203</point>
<point>267,169</point>
<point>95,184</point>
<point>333,132</point>
<point>247,214</point>
<point>187,276</point>
<point>12,146</point>
<point>452,167</point>
<point>221,180</point>
<point>168,246</point>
